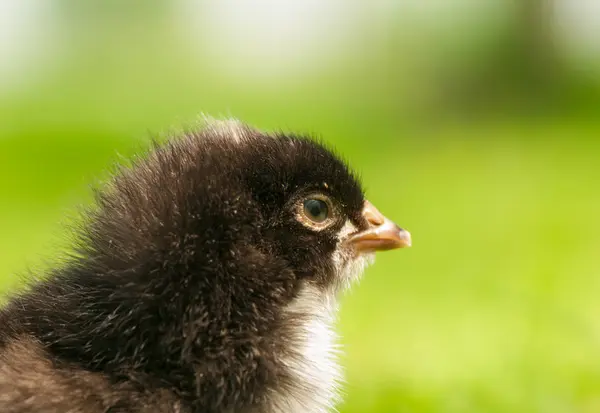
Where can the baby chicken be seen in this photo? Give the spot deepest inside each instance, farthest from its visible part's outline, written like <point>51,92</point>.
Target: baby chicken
<point>205,280</point>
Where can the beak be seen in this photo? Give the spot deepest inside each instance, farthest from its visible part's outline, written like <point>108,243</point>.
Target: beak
<point>382,234</point>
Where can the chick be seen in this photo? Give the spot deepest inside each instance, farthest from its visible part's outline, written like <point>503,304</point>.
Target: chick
<point>205,280</point>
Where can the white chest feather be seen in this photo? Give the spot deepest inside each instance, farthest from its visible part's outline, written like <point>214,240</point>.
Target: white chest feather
<point>316,375</point>
<point>314,369</point>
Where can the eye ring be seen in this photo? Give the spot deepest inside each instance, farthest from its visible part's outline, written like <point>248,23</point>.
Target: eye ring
<point>316,211</point>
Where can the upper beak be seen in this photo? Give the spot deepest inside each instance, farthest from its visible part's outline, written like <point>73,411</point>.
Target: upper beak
<point>381,235</point>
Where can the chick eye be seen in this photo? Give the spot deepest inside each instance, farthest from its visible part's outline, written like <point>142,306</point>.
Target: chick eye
<point>316,210</point>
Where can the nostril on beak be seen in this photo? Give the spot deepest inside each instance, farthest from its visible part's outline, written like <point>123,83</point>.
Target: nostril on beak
<point>372,215</point>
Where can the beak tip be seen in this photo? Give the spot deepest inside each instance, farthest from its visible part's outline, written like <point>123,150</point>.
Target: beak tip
<point>404,239</point>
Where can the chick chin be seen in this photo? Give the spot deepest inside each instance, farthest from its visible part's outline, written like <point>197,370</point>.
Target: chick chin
<point>208,274</point>
<point>349,265</point>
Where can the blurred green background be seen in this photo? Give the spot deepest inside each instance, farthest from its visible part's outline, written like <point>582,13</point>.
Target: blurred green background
<point>474,124</point>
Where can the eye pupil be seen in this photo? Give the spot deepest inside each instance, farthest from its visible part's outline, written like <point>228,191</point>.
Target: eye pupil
<point>316,210</point>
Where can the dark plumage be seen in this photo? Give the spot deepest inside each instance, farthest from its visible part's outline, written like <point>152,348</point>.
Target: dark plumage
<point>204,281</point>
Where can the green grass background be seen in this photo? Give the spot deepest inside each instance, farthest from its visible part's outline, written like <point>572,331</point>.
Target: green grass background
<point>494,309</point>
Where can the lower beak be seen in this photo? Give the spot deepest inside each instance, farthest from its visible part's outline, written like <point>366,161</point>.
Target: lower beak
<point>382,235</point>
